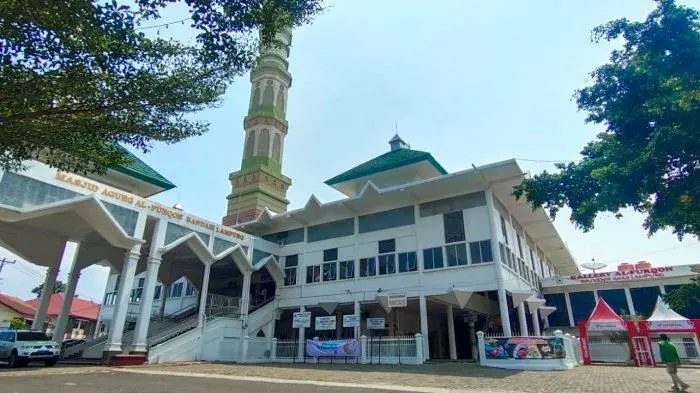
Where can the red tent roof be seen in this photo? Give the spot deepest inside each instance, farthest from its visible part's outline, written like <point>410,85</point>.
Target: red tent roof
<point>80,308</point>
<point>18,305</point>
<point>604,318</point>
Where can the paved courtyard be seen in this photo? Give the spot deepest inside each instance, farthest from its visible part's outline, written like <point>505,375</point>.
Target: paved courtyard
<point>291,378</point>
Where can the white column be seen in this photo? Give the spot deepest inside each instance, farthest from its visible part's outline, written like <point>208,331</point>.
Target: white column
<point>302,337</point>
<point>245,299</point>
<point>595,296</point>
<point>46,293</point>
<point>203,295</point>
<point>522,319</point>
<point>62,321</point>
<point>568,309</point>
<point>358,312</point>
<point>164,293</point>
<point>662,289</point>
<point>451,332</point>
<point>497,263</point>
<point>536,323</point>
<point>146,303</point>
<point>424,325</point>
<point>126,283</point>
<point>630,303</point>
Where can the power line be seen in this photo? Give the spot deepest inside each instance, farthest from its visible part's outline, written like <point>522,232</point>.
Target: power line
<point>653,252</point>
<point>163,24</point>
<point>4,261</point>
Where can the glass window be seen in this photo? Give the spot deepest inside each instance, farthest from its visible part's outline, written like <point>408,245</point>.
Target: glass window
<point>368,267</point>
<point>22,191</point>
<point>456,254</point>
<point>313,274</point>
<point>387,264</point>
<point>177,290</point>
<point>290,276</point>
<point>32,336</point>
<point>503,229</point>
<point>141,282</point>
<point>174,232</point>
<point>454,227</point>
<point>286,237</point>
<point>386,246</point>
<point>408,262</point>
<point>156,295</point>
<point>520,246</point>
<point>125,217</point>
<point>221,245</point>
<point>347,270</point>
<point>331,230</point>
<point>449,205</point>
<point>387,219</point>
<point>432,258</point>
<point>330,255</point>
<point>291,260</point>
<point>190,289</point>
<point>329,271</point>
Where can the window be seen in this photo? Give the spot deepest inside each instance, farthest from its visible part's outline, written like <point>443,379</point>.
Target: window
<point>286,237</point>
<point>449,205</point>
<point>141,281</point>
<point>190,289</point>
<point>432,258</point>
<point>313,274</point>
<point>330,255</point>
<point>368,267</point>
<point>290,269</point>
<point>177,290</point>
<point>347,270</point>
<point>387,264</point>
<point>456,254</point>
<point>520,246</point>
<point>454,227</point>
<point>32,336</point>
<point>386,246</point>
<point>503,230</point>
<point>408,262</point>
<point>387,219</point>
<point>156,295</point>
<point>481,251</point>
<point>329,271</point>
<point>331,230</point>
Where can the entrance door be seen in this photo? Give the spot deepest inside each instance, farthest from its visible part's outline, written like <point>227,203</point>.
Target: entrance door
<point>642,351</point>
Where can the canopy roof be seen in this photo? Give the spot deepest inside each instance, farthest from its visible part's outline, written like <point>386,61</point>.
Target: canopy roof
<point>603,318</point>
<point>138,169</point>
<point>665,319</point>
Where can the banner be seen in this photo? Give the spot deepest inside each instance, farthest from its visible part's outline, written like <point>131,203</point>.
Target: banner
<point>524,348</point>
<point>325,323</point>
<point>340,348</point>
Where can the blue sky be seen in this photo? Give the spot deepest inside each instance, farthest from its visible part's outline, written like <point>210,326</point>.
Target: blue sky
<point>471,82</point>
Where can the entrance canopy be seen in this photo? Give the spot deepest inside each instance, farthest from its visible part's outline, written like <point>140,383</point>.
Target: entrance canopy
<point>665,319</point>
<point>604,319</point>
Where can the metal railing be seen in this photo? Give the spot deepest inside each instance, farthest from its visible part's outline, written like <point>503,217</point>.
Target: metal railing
<point>220,305</point>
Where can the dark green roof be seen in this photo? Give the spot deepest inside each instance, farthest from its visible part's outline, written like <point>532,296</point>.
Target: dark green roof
<point>393,159</point>
<point>140,170</point>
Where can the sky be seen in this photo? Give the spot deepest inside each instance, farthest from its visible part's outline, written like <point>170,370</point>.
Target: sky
<point>470,82</point>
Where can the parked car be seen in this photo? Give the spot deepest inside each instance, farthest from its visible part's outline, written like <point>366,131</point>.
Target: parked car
<point>19,347</point>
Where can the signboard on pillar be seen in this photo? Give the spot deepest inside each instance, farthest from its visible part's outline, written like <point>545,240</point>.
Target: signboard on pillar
<point>375,323</point>
<point>470,316</point>
<point>301,320</point>
<point>325,323</point>
<point>395,301</point>
<point>351,321</point>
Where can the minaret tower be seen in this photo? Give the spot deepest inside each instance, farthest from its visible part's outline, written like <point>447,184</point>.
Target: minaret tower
<point>260,183</point>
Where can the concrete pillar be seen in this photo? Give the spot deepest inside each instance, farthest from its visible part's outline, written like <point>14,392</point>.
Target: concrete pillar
<point>630,303</point>
<point>49,282</point>
<point>568,309</point>
<point>146,306</point>
<point>126,283</point>
<point>662,289</point>
<point>474,341</point>
<point>302,337</point>
<point>164,293</point>
<point>424,326</point>
<point>204,294</point>
<point>358,312</point>
<point>595,296</point>
<point>63,317</point>
<point>503,306</point>
<point>245,299</point>
<point>536,323</point>
<point>522,319</point>
<point>419,347</point>
<point>451,332</point>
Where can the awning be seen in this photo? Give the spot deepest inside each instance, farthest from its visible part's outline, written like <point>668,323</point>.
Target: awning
<point>519,296</point>
<point>534,303</point>
<point>664,318</point>
<point>546,311</point>
<point>603,319</point>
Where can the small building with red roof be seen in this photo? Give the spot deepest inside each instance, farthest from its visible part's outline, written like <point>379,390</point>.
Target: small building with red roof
<point>14,307</point>
<point>83,315</point>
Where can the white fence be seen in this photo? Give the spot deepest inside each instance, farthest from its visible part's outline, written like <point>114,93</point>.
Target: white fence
<point>687,347</point>
<point>607,349</point>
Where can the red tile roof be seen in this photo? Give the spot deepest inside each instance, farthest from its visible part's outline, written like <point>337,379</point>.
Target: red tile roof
<point>18,305</point>
<point>80,308</point>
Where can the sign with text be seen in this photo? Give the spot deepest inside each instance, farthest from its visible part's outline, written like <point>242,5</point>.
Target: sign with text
<point>325,323</point>
<point>301,320</point>
<point>470,316</point>
<point>524,348</point>
<point>339,348</point>
<point>397,301</point>
<point>623,276</point>
<point>375,323</point>
<point>351,321</point>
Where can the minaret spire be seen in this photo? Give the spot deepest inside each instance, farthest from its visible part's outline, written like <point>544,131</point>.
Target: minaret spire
<point>260,184</point>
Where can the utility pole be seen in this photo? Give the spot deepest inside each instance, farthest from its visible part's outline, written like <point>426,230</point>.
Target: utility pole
<point>5,261</point>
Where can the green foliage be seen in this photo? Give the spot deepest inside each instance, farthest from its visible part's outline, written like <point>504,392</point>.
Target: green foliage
<point>648,157</point>
<point>58,287</point>
<point>78,78</point>
<point>685,295</point>
<point>17,323</point>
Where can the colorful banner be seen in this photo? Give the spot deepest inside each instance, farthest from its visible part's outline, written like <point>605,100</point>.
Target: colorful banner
<point>524,348</point>
<point>340,348</point>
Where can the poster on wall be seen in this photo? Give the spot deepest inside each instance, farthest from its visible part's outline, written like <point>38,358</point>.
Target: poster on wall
<point>375,323</point>
<point>325,323</point>
<point>301,320</point>
<point>351,320</point>
<point>524,348</point>
<point>339,348</point>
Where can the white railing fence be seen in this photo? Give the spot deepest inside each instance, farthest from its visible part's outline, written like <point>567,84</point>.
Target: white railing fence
<point>608,349</point>
<point>391,350</point>
<point>687,347</point>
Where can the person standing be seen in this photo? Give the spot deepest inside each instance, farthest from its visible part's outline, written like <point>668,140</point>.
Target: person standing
<point>669,355</point>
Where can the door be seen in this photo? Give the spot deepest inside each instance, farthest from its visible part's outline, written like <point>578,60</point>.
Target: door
<point>642,351</point>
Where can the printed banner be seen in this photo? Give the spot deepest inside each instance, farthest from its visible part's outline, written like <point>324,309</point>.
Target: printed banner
<point>524,348</point>
<point>340,348</point>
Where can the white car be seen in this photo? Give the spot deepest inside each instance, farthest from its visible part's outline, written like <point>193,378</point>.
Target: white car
<point>19,347</point>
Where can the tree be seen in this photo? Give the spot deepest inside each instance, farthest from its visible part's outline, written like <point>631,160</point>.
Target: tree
<point>648,157</point>
<point>78,78</point>
<point>685,295</point>
<point>17,323</point>
<point>58,287</point>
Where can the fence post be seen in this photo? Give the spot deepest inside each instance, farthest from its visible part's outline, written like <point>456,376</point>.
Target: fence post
<point>482,349</point>
<point>363,349</point>
<point>244,349</point>
<point>273,349</point>
<point>419,348</point>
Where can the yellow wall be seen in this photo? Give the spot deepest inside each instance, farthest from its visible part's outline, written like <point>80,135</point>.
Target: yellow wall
<point>7,314</point>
